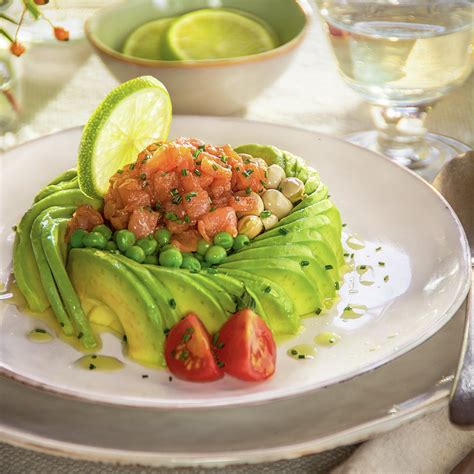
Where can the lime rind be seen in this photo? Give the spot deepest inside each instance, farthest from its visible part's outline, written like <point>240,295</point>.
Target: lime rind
<point>131,117</point>
<point>216,34</point>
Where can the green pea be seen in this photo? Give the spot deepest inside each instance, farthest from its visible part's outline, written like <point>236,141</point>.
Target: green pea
<point>202,247</point>
<point>104,230</point>
<point>124,239</point>
<point>95,240</point>
<point>149,246</point>
<point>151,260</point>
<point>171,258</point>
<point>191,263</point>
<point>111,245</point>
<point>135,253</point>
<point>224,239</point>
<point>162,236</point>
<point>77,238</point>
<point>240,242</point>
<point>216,254</point>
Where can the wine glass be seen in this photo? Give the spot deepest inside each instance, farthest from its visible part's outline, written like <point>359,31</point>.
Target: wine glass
<point>402,56</point>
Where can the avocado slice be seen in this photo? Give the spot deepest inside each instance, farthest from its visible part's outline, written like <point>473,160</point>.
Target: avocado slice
<point>320,277</point>
<point>296,166</point>
<point>98,275</point>
<point>271,154</point>
<point>310,238</point>
<point>280,314</point>
<point>324,207</point>
<point>64,176</point>
<point>157,290</point>
<point>47,279</point>
<point>50,244</point>
<point>313,181</point>
<point>288,274</point>
<point>290,164</point>
<point>190,296</point>
<point>242,297</point>
<point>54,188</point>
<point>318,195</point>
<point>24,263</point>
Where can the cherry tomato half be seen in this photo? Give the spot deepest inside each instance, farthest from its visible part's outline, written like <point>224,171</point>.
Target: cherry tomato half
<point>246,348</point>
<point>188,351</point>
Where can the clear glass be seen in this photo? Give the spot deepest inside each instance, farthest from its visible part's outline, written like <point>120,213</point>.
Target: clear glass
<point>402,56</point>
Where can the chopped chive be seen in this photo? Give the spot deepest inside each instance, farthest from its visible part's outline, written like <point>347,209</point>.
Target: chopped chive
<point>190,195</point>
<point>166,331</point>
<point>237,168</point>
<point>189,330</point>
<point>265,214</point>
<point>187,219</point>
<point>198,162</point>
<point>348,308</point>
<point>304,263</point>
<point>248,190</point>
<point>170,378</point>
<point>93,356</point>
<point>132,166</point>
<point>262,182</point>
<point>283,231</point>
<point>124,338</point>
<point>247,172</point>
<point>172,303</point>
<point>197,172</point>
<point>119,171</point>
<point>220,345</point>
<point>378,249</point>
<point>362,267</point>
<point>177,199</point>
<point>336,285</point>
<point>174,192</point>
<point>328,267</point>
<point>61,324</point>
<point>294,352</point>
<point>91,366</point>
<point>184,355</point>
<point>346,254</point>
<point>386,278</point>
<point>42,331</point>
<point>80,335</point>
<point>220,364</point>
<point>318,311</point>
<point>214,167</point>
<point>268,289</point>
<point>212,209</point>
<point>158,206</point>
<point>223,158</point>
<point>184,172</point>
<point>301,356</point>
<point>215,338</point>
<point>186,337</point>
<point>198,151</point>
<point>344,225</point>
<point>143,176</point>
<point>382,264</point>
<point>144,376</point>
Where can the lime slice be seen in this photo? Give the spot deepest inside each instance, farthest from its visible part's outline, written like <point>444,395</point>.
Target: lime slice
<point>146,41</point>
<point>131,117</point>
<point>216,34</point>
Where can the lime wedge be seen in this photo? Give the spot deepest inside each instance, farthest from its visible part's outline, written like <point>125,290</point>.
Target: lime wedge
<point>131,117</point>
<point>146,41</point>
<point>216,34</point>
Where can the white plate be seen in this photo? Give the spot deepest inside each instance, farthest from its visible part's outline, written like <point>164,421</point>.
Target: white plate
<point>423,247</point>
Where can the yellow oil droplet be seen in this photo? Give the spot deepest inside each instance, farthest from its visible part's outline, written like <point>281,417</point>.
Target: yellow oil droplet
<point>99,362</point>
<point>40,335</point>
<point>354,311</point>
<point>327,338</point>
<point>302,351</point>
<point>354,242</point>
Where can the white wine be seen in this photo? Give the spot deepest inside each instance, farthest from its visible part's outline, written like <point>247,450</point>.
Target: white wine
<point>403,54</point>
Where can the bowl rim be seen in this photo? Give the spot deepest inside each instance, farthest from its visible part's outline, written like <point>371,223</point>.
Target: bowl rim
<point>285,48</point>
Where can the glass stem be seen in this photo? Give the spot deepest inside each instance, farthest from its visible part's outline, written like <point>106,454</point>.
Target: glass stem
<point>401,132</point>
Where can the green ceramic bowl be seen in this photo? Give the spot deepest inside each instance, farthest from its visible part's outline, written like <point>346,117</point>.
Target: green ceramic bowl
<point>216,87</point>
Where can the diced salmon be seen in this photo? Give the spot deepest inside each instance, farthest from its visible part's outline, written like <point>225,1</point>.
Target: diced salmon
<point>133,195</point>
<point>244,202</point>
<point>214,167</point>
<point>220,220</point>
<point>162,183</point>
<point>251,176</point>
<point>219,187</point>
<point>186,241</point>
<point>196,204</point>
<point>120,219</point>
<point>143,222</point>
<point>85,217</point>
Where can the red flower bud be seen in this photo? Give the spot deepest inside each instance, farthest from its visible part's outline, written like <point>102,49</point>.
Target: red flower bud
<point>17,49</point>
<point>61,34</point>
<point>41,2</point>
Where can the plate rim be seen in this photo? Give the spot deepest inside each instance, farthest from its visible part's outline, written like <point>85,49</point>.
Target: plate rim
<point>262,399</point>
